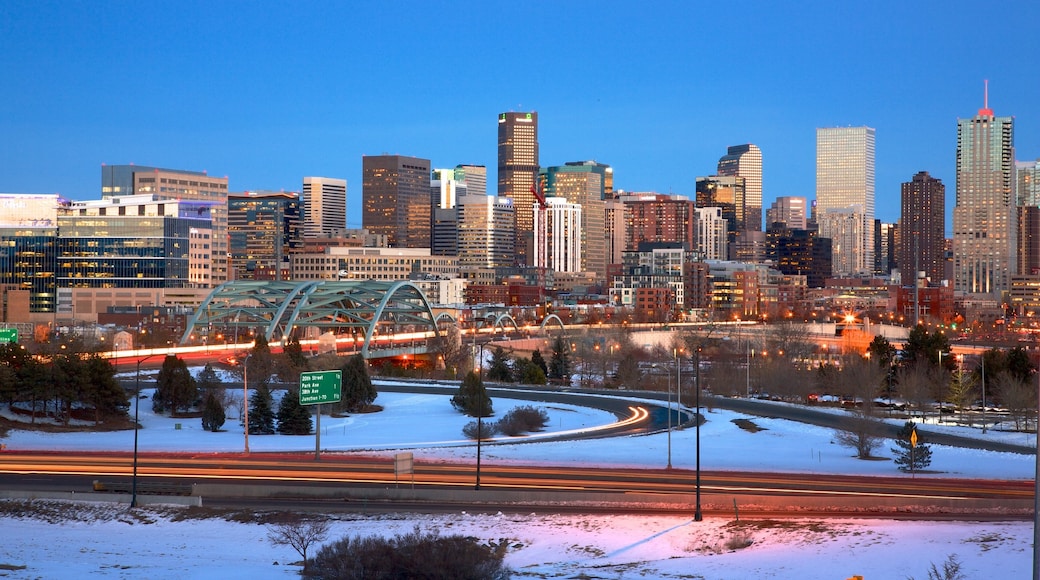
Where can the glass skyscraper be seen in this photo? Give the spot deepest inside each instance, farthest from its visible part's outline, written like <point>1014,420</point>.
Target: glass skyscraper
<point>844,184</point>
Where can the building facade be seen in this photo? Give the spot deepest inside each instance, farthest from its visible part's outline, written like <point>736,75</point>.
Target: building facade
<point>324,205</point>
<point>845,179</point>
<point>28,254</point>
<point>710,239</point>
<point>485,231</point>
<point>789,211</point>
<point>264,229</point>
<point>582,183</point>
<point>651,217</point>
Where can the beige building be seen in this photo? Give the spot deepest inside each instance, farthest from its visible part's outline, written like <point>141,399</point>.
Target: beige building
<point>344,263</point>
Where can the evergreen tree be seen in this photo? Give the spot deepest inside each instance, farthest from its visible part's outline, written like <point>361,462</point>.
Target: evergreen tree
<point>261,412</point>
<point>358,391</point>
<point>293,418</point>
<point>536,358</point>
<point>260,361</point>
<point>208,379</point>
<point>498,369</point>
<point>213,415</point>
<point>908,457</point>
<point>105,393</point>
<point>175,388</point>
<point>560,365</point>
<point>294,353</point>
<point>472,398</point>
<point>528,373</point>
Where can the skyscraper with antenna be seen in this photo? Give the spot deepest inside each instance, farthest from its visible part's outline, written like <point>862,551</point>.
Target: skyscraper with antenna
<point>984,217</point>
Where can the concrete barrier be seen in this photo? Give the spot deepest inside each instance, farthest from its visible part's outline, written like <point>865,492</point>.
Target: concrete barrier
<point>191,501</point>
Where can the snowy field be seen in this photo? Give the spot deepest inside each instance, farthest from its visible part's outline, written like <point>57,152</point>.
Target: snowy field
<point>86,540</point>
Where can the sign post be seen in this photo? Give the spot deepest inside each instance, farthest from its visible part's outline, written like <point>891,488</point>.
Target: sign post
<point>319,387</point>
<point>8,335</point>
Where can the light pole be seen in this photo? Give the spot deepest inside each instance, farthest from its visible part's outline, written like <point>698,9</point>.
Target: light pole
<point>697,516</point>
<point>942,377</point>
<point>669,375</point>
<point>480,413</point>
<point>983,392</point>
<point>245,397</point>
<point>137,427</point>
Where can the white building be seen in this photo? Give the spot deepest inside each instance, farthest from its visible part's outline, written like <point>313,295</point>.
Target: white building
<point>710,232</point>
<point>563,235</point>
<point>324,202</point>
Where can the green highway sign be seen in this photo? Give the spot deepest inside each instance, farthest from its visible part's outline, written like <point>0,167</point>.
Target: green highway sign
<point>321,387</point>
<point>8,335</point>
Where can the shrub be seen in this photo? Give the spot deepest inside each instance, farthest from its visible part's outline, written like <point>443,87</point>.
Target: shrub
<point>470,430</point>
<point>413,555</point>
<point>522,420</point>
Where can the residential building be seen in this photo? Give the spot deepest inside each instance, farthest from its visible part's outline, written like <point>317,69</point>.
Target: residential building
<point>984,221</point>
<point>845,179</point>
<point>583,183</point>
<point>395,195</point>
<point>518,175</point>
<point>710,233</point>
<point>652,217</point>
<point>923,227</point>
<point>564,235</point>
<point>844,227</point>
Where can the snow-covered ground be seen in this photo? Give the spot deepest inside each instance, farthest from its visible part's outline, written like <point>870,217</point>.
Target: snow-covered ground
<point>147,543</point>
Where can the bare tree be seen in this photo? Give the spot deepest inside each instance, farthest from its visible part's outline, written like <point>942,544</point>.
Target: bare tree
<point>862,432</point>
<point>1017,396</point>
<point>915,386</point>
<point>794,340</point>
<point>860,381</point>
<point>298,533</point>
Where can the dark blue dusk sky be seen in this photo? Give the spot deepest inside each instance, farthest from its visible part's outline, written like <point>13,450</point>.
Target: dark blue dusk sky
<point>268,92</point>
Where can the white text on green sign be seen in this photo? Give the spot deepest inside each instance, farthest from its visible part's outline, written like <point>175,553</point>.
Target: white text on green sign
<point>320,387</point>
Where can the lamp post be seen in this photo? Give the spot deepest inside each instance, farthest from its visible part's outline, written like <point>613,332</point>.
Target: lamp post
<point>245,397</point>
<point>941,379</point>
<point>697,516</point>
<point>669,466</point>
<point>480,413</point>
<point>137,427</point>
<point>983,392</point>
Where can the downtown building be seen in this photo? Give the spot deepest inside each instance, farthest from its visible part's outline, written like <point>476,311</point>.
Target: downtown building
<point>28,256</point>
<point>123,180</point>
<point>264,229</point>
<point>984,217</point>
<point>395,198</point>
<point>324,206</point>
<point>844,192</point>
<point>745,161</point>
<point>518,176</point>
<point>583,183</point>
<point>922,227</point>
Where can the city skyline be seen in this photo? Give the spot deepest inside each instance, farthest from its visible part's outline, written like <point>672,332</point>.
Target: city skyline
<point>630,88</point>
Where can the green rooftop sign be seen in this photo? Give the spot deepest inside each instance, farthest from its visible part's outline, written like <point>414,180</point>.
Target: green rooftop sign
<point>8,335</point>
<point>320,387</point>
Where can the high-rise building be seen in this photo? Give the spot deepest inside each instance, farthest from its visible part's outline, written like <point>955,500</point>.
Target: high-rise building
<point>324,202</point>
<point>564,235</point>
<point>582,183</point>
<point>1028,177</point>
<point>710,233</point>
<point>727,193</point>
<point>922,225</point>
<point>264,228</point>
<point>652,217</point>
<point>845,179</point>
<point>518,175</point>
<point>884,247</point>
<point>120,180</point>
<point>474,177</point>
<point>746,161</point>
<point>984,237</point>
<point>789,211</point>
<point>485,231</point>
<point>844,227</point>
<point>395,195</point>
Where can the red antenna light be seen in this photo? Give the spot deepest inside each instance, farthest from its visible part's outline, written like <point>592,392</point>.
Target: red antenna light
<point>985,111</point>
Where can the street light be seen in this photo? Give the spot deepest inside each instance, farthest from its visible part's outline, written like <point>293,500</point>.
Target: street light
<point>697,516</point>
<point>245,397</point>
<point>137,427</point>
<point>480,413</point>
<point>942,377</point>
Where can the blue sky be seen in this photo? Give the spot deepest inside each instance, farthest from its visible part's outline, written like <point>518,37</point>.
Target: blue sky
<point>268,92</point>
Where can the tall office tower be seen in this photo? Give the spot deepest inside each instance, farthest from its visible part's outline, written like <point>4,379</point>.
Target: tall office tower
<point>395,194</point>
<point>264,228</point>
<point>845,178</point>
<point>710,233</point>
<point>563,228</point>
<point>1027,258</point>
<point>518,174</point>
<point>884,248</point>
<point>984,215</point>
<point>922,226</point>
<point>119,180</point>
<point>324,202</point>
<point>1028,177</point>
<point>845,228</point>
<point>485,231</point>
<point>445,188</point>
<point>746,161</point>
<point>652,217</point>
<point>582,183</point>
<point>728,193</point>
<point>474,177</point>
<point>28,255</point>
<point>614,223</point>
<point>789,211</point>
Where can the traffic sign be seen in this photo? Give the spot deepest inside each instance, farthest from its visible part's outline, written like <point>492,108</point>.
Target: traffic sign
<point>320,387</point>
<point>8,335</point>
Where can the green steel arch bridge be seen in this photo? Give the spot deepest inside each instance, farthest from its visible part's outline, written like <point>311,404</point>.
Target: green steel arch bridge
<point>370,310</point>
